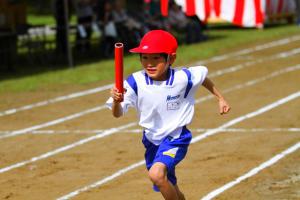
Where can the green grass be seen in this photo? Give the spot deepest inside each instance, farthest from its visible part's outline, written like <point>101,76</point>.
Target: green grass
<point>222,41</point>
<point>40,19</point>
<point>45,19</point>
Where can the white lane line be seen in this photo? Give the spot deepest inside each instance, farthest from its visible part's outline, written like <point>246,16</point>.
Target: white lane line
<point>247,116</point>
<point>194,140</point>
<point>251,49</point>
<point>253,82</point>
<point>54,122</point>
<point>251,130</point>
<point>199,130</point>
<point>103,181</point>
<point>55,100</point>
<point>70,146</point>
<point>231,69</point>
<point>105,87</point>
<point>252,172</point>
<point>218,73</point>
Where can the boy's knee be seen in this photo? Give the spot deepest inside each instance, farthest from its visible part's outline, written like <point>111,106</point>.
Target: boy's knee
<point>157,174</point>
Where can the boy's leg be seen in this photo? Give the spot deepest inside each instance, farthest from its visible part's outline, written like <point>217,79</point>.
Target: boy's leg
<point>179,193</point>
<point>158,175</point>
<point>161,161</point>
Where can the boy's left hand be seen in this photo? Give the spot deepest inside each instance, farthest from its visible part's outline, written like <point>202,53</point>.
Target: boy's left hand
<point>223,106</point>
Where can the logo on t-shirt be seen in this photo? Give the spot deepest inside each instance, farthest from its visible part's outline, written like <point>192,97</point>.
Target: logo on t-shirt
<point>170,98</point>
<point>173,105</point>
<point>173,102</point>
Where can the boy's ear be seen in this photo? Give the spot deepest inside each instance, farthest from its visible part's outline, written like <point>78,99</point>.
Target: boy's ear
<point>172,58</point>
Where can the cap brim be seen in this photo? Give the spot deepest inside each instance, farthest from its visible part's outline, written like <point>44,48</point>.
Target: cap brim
<point>140,50</point>
<point>136,50</point>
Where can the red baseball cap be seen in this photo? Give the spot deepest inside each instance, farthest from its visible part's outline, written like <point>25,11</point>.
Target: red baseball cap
<point>157,41</point>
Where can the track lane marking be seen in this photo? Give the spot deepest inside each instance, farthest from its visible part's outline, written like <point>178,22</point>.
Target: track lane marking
<point>237,67</point>
<point>194,140</point>
<point>65,148</point>
<point>252,172</point>
<point>199,130</point>
<point>251,50</point>
<point>98,108</point>
<point>54,122</point>
<point>55,100</point>
<point>105,87</point>
<point>43,156</point>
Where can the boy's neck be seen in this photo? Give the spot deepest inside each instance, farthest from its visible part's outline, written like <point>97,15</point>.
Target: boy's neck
<point>164,76</point>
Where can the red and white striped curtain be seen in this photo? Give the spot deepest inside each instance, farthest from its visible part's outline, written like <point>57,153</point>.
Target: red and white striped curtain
<point>245,13</point>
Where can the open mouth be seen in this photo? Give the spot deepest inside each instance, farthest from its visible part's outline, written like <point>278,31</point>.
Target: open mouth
<point>151,71</point>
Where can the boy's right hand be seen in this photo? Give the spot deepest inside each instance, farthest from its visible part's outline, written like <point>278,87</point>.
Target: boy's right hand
<point>116,95</point>
<point>223,106</point>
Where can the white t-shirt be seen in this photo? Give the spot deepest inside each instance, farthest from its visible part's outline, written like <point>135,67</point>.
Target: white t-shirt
<point>163,107</point>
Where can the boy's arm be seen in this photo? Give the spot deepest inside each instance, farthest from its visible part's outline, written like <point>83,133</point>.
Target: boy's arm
<point>223,105</point>
<point>117,109</point>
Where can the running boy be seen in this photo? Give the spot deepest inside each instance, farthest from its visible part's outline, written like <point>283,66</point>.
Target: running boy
<point>164,100</point>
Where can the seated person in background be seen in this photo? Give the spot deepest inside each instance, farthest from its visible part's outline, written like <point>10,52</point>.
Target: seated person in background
<point>152,16</point>
<point>129,30</point>
<point>84,10</point>
<point>297,2</point>
<point>61,38</point>
<point>109,30</point>
<point>181,23</point>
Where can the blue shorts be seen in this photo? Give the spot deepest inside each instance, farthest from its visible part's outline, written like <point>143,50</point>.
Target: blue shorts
<point>170,152</point>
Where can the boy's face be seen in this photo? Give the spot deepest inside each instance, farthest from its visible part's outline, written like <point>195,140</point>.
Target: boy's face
<point>156,65</point>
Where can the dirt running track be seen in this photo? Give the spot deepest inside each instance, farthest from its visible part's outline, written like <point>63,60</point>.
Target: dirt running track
<point>36,164</point>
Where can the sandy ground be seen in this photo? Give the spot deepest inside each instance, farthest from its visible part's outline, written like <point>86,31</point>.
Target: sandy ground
<point>57,164</point>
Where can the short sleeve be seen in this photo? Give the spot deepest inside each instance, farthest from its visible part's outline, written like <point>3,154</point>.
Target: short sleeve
<point>130,98</point>
<point>198,74</point>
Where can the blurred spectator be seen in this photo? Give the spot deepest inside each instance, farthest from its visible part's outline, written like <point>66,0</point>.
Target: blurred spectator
<point>61,26</point>
<point>152,16</point>
<point>109,36</point>
<point>190,26</point>
<point>99,9</point>
<point>129,29</point>
<point>85,14</point>
<point>297,12</point>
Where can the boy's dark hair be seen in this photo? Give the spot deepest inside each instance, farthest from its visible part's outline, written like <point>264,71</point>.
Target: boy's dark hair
<point>162,54</point>
<point>165,56</point>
